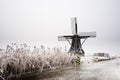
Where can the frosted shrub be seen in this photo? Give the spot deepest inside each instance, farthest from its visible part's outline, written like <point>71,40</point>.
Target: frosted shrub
<point>17,59</point>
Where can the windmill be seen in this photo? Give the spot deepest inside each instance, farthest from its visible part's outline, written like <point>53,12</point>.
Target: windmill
<point>76,40</point>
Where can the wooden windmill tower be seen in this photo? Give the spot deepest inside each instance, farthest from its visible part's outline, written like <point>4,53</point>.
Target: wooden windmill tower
<point>75,39</point>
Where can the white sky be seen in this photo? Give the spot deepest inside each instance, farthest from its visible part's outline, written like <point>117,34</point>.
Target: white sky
<point>41,21</point>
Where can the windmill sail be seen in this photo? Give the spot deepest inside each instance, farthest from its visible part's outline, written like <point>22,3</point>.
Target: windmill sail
<point>87,34</point>
<point>64,38</point>
<point>61,38</point>
<point>74,25</point>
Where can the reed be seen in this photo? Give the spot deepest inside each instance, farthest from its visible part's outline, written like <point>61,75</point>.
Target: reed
<point>21,58</point>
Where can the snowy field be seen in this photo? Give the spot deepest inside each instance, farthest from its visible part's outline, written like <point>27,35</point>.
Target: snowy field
<point>105,70</point>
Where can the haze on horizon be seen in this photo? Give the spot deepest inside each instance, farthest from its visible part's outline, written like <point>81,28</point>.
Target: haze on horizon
<point>41,21</point>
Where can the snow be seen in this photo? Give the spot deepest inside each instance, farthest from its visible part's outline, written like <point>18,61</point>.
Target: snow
<point>104,70</point>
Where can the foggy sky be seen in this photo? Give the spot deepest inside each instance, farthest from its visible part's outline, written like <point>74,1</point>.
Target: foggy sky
<point>41,21</point>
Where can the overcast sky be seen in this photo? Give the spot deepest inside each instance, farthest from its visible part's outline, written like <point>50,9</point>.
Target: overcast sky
<point>41,21</point>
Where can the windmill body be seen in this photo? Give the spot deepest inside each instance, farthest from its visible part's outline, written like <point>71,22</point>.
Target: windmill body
<point>75,39</point>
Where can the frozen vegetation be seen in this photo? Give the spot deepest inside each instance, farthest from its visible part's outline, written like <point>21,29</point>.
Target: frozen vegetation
<point>18,59</point>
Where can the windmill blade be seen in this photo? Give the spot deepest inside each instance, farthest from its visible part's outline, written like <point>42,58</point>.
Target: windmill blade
<point>87,34</point>
<point>64,38</point>
<point>74,25</point>
<point>61,38</point>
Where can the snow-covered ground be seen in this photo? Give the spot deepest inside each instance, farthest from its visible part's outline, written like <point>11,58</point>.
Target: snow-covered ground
<point>105,70</point>
<point>87,59</point>
<point>92,59</point>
